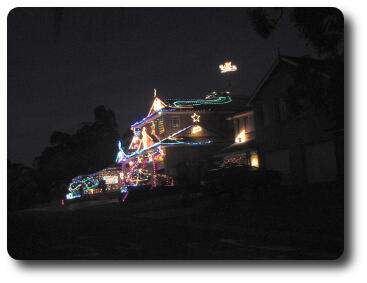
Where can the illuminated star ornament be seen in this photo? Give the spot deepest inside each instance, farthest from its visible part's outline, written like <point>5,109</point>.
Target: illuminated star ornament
<point>227,67</point>
<point>195,117</point>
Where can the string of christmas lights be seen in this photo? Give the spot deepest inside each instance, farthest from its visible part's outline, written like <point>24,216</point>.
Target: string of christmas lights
<point>123,156</point>
<point>142,121</point>
<point>196,102</point>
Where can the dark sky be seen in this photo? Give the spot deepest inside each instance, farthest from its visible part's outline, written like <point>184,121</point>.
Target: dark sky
<point>58,73</point>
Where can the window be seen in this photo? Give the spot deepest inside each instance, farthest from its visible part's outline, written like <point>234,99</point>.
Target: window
<point>254,159</point>
<point>160,126</point>
<point>250,124</point>
<point>235,124</point>
<point>175,122</point>
<point>245,123</point>
<point>241,124</point>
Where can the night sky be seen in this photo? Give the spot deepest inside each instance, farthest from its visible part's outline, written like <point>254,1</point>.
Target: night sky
<point>59,71</point>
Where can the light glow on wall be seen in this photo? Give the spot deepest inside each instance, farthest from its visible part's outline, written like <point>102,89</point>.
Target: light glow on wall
<point>196,129</point>
<point>254,160</point>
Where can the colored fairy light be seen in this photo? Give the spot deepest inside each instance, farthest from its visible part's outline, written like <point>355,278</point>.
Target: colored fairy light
<point>195,117</point>
<point>146,139</point>
<point>227,67</point>
<point>162,142</point>
<point>72,195</point>
<point>209,101</point>
<point>154,173</point>
<point>159,112</point>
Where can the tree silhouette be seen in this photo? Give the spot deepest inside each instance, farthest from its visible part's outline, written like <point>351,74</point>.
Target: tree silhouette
<point>317,86</point>
<point>323,28</point>
<point>91,148</point>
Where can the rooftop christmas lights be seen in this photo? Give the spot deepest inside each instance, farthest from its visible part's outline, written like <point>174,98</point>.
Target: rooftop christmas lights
<point>227,67</point>
<point>196,102</point>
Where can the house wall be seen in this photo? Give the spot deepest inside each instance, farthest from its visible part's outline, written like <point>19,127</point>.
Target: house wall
<point>299,147</point>
<point>169,123</point>
<point>191,154</point>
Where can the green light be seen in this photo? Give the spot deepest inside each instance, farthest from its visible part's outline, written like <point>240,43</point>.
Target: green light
<point>218,100</point>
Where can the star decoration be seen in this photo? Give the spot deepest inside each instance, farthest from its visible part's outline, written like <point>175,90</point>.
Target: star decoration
<point>195,117</point>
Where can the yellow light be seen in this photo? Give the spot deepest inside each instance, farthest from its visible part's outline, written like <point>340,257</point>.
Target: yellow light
<point>196,129</point>
<point>254,160</point>
<point>195,117</point>
<point>227,67</point>
<point>157,104</point>
<point>241,137</point>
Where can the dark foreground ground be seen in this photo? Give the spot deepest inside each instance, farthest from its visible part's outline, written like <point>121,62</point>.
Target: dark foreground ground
<point>217,226</point>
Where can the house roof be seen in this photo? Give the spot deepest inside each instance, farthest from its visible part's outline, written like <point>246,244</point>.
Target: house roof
<point>220,101</point>
<point>318,64</point>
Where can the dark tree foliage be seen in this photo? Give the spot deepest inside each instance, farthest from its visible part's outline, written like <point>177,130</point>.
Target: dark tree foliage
<point>323,28</point>
<point>318,86</point>
<point>91,148</point>
<point>308,92</point>
<point>22,186</point>
<point>263,20</point>
<point>59,138</point>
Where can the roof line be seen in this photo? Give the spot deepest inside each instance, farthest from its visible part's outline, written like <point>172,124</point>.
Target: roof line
<point>264,79</point>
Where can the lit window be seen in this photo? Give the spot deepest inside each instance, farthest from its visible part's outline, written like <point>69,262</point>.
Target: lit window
<point>254,159</point>
<point>241,137</point>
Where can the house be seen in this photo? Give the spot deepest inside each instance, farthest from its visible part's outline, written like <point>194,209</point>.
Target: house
<point>176,131</point>
<point>303,144</point>
<point>282,127</point>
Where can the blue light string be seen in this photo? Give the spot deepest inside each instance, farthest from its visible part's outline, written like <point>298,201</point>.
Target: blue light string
<point>151,115</point>
<point>123,156</point>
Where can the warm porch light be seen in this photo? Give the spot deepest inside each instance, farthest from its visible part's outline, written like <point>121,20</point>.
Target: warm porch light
<point>196,129</point>
<point>241,137</point>
<point>254,160</point>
